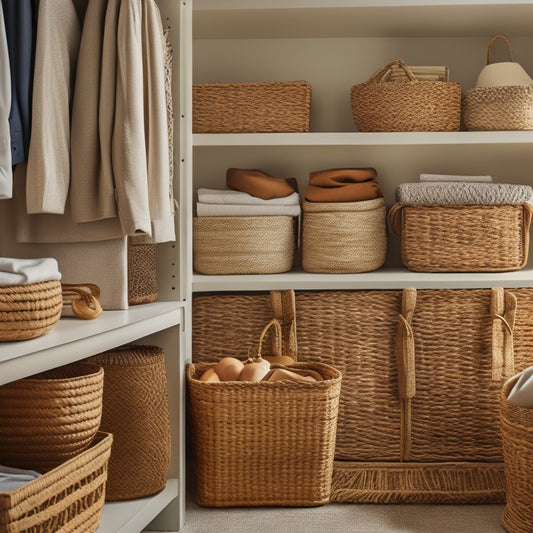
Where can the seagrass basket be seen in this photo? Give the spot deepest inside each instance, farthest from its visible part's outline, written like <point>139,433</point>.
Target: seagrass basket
<point>380,104</point>
<point>243,244</point>
<point>344,237</point>
<point>251,107</point>
<point>142,273</point>
<point>28,311</point>
<point>68,498</point>
<point>517,436</point>
<point>462,238</point>
<point>50,417</point>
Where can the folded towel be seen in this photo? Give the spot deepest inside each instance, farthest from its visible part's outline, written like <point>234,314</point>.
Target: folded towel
<point>522,392</point>
<point>13,478</point>
<point>259,183</point>
<point>227,210</point>
<point>26,271</point>
<point>463,193</point>
<point>212,196</point>
<point>448,177</point>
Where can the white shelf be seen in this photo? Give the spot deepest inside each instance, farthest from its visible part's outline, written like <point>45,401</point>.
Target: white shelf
<point>72,339</point>
<point>134,515</point>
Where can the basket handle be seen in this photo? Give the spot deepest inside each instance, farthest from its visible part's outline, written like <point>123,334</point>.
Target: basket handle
<point>489,47</point>
<point>283,304</point>
<point>277,334</point>
<point>394,219</point>
<point>83,298</point>
<point>503,311</point>
<point>384,72</point>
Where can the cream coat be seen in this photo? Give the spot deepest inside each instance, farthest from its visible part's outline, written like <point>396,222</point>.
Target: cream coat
<point>6,176</point>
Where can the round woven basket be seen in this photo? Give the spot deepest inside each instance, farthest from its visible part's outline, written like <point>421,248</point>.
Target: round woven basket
<point>136,411</point>
<point>28,311</point>
<point>142,273</point>
<point>50,417</point>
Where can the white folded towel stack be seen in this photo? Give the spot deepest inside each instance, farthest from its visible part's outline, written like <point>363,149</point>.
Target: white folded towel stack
<point>28,271</point>
<point>13,478</point>
<point>229,196</point>
<point>453,177</point>
<point>522,392</point>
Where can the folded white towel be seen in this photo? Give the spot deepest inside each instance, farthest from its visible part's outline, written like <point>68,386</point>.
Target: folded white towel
<point>13,478</point>
<point>229,196</point>
<point>26,271</point>
<point>453,177</point>
<point>522,392</point>
<point>226,210</point>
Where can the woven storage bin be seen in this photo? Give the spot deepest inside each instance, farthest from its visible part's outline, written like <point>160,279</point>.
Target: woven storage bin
<point>142,273</point>
<point>344,237</point>
<point>68,499</point>
<point>50,417</point>
<point>28,311</point>
<point>383,105</point>
<point>440,445</point>
<point>243,245</point>
<point>517,436</point>
<point>462,238</point>
<point>251,107</point>
<point>136,410</point>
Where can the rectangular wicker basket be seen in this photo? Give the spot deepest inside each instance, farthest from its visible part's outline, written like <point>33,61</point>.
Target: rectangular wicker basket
<point>251,107</point>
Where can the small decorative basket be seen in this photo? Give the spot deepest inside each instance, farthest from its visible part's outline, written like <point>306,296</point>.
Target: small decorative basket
<point>380,104</point>
<point>251,107</point>
<point>142,273</point>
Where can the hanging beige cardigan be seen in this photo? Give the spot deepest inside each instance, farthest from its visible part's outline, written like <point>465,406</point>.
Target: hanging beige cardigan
<point>6,177</point>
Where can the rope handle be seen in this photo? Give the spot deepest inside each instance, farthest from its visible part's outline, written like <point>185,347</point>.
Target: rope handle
<point>277,326</point>
<point>394,219</point>
<point>283,303</point>
<point>384,73</point>
<point>503,311</point>
<point>405,352</point>
<point>489,48</point>
<point>83,298</point>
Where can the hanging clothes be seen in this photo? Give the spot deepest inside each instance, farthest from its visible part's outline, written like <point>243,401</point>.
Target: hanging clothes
<point>6,172</point>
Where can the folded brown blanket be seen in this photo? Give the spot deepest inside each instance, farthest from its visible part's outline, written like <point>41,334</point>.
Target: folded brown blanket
<point>259,183</point>
<point>343,185</point>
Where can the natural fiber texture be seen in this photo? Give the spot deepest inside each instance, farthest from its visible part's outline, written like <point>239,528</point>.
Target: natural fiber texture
<point>68,499</point>
<point>243,244</point>
<point>251,107</point>
<point>344,237</point>
<point>461,238</point>
<point>498,108</point>
<point>264,443</point>
<point>50,417</point>
<point>28,311</point>
<point>517,436</point>
<point>136,411</point>
<point>142,273</point>
<point>383,105</point>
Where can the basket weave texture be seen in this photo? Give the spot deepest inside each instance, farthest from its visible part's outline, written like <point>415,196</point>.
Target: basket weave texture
<point>69,498</point>
<point>48,418</point>
<point>462,238</point>
<point>251,107</point>
<point>517,435</point>
<point>28,311</point>
<point>142,273</point>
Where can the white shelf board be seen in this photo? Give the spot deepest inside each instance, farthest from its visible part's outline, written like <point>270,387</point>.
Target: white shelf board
<point>72,339</point>
<point>132,516</point>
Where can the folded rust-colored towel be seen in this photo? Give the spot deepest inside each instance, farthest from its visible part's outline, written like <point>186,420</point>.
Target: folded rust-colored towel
<point>259,183</point>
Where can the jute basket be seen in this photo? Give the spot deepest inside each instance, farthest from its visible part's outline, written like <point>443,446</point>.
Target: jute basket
<point>517,435</point>
<point>251,107</point>
<point>136,411</point>
<point>50,417</point>
<point>344,237</point>
<point>28,311</point>
<point>142,273</point>
<point>243,245</point>
<point>380,104</point>
<point>69,498</point>
<point>462,238</point>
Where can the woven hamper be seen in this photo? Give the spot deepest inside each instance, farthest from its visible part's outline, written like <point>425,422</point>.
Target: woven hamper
<point>517,435</point>
<point>418,414</point>
<point>69,498</point>
<point>462,238</point>
<point>135,409</point>
<point>142,273</point>
<point>344,237</point>
<point>251,107</point>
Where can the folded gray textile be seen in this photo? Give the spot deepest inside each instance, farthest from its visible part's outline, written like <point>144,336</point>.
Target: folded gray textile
<point>13,478</point>
<point>456,193</point>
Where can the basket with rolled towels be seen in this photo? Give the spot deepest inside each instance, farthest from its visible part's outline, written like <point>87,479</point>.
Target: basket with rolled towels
<point>344,227</point>
<point>249,228</point>
<point>462,224</point>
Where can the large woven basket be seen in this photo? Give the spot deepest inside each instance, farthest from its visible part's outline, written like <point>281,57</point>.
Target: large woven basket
<point>383,105</point>
<point>344,237</point>
<point>28,311</point>
<point>517,436</point>
<point>462,238</point>
<point>251,107</point>
<point>243,245</point>
<point>136,411</point>
<point>69,498</point>
<point>142,273</point>
<point>48,418</point>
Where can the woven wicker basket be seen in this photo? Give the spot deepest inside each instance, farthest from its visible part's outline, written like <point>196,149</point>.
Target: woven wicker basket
<point>69,498</point>
<point>517,436</point>
<point>462,238</point>
<point>28,311</point>
<point>142,273</point>
<point>251,107</point>
<point>383,105</point>
<point>50,417</point>
<point>136,411</point>
<point>344,237</point>
<point>243,245</point>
